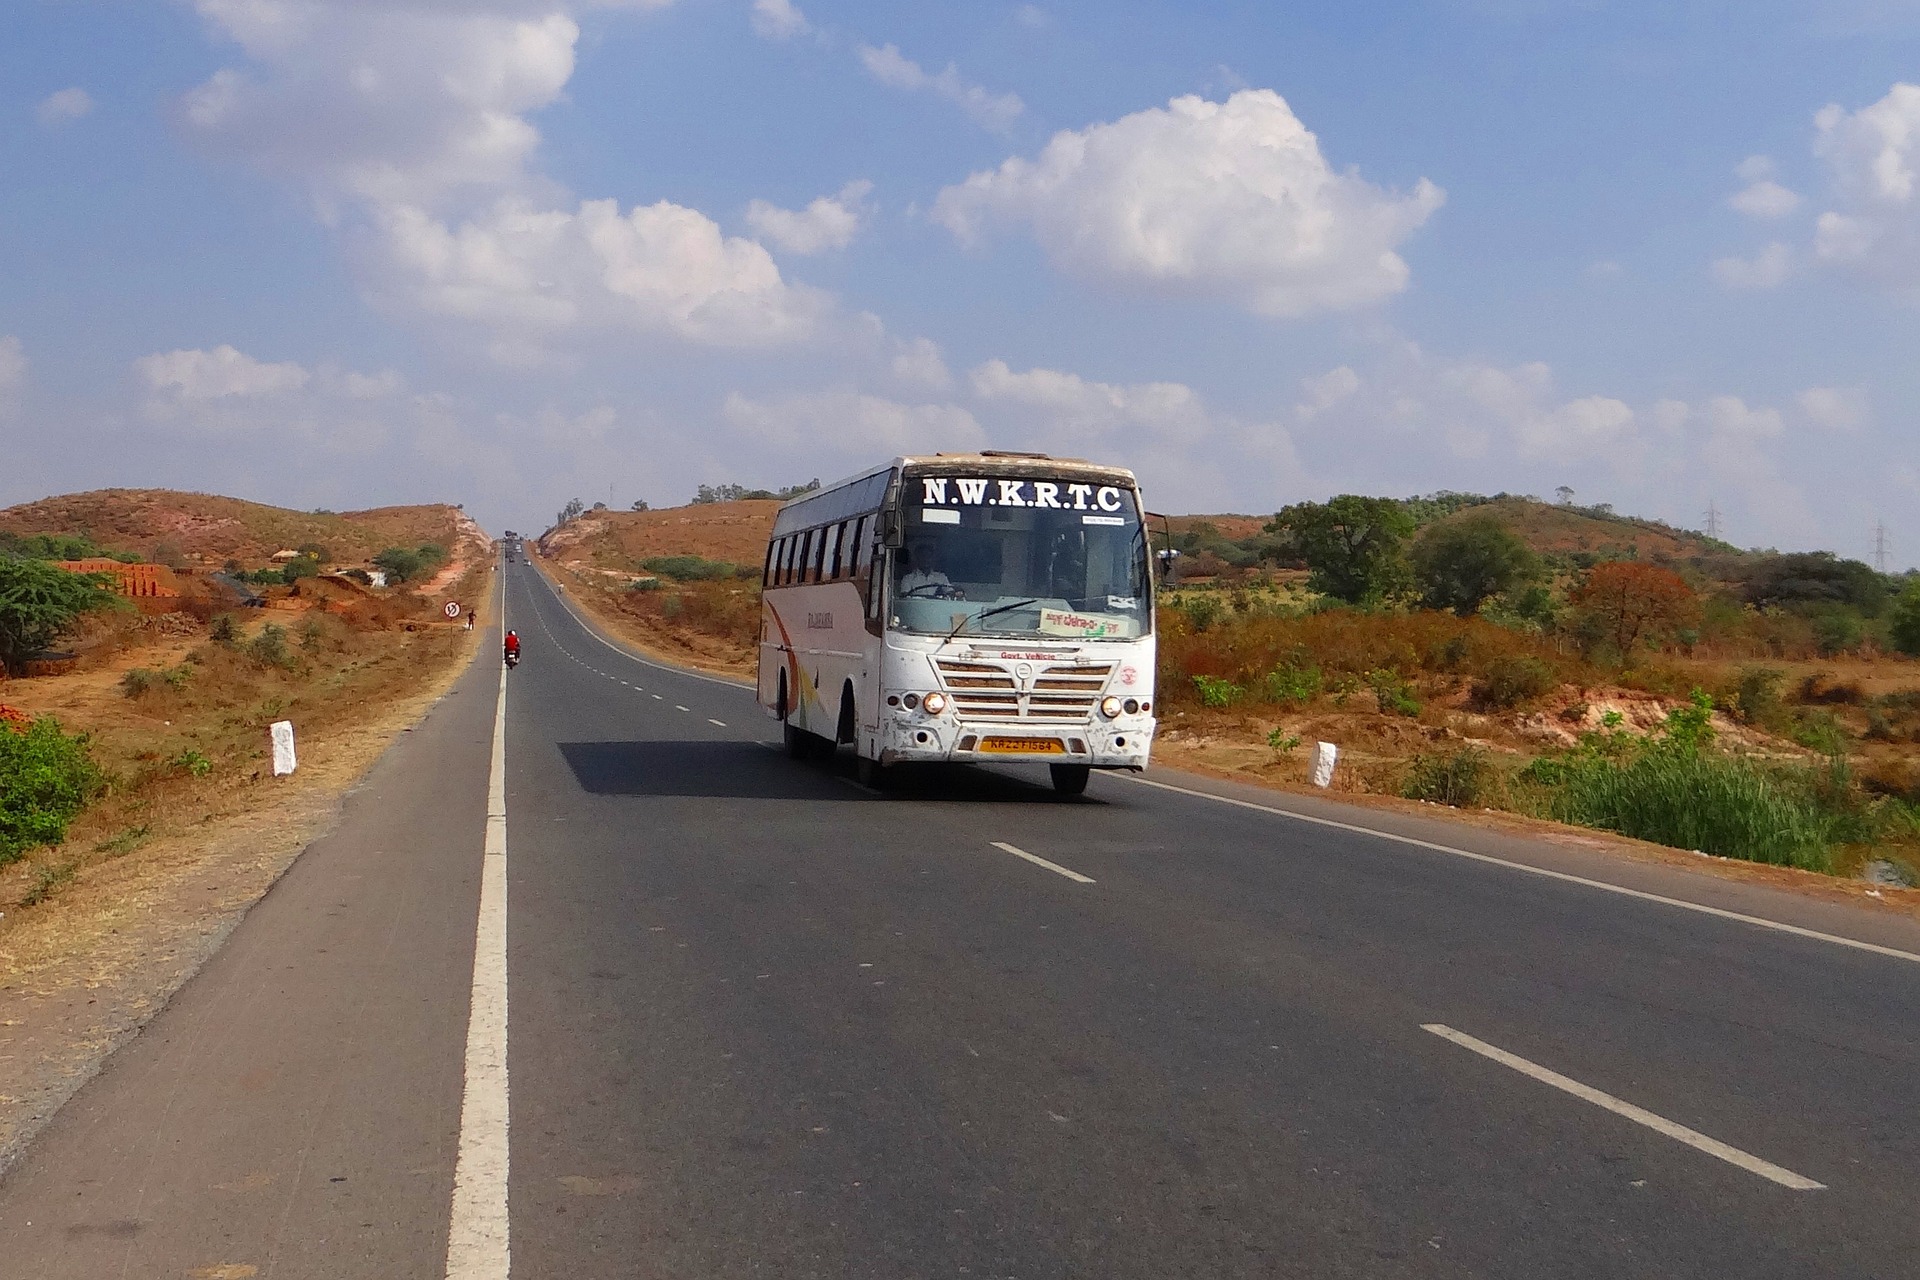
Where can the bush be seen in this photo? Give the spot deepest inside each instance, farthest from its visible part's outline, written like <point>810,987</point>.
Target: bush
<point>1756,697</point>
<point>224,630</point>
<point>46,778</point>
<point>1462,563</point>
<point>1511,680</point>
<point>1463,778</point>
<point>269,648</point>
<point>645,584</point>
<point>1904,629</point>
<point>40,602</point>
<point>1202,611</point>
<point>1716,804</point>
<point>689,568</point>
<point>1394,694</point>
<point>1217,693</point>
<point>1292,686</point>
<point>141,681</point>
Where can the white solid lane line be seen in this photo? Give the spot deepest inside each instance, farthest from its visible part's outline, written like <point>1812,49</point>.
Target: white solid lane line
<point>1720,912</point>
<point>477,1238</point>
<point>1659,1124</point>
<point>1039,861</point>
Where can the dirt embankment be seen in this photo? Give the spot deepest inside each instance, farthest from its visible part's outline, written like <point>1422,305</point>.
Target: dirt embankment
<point>96,934</point>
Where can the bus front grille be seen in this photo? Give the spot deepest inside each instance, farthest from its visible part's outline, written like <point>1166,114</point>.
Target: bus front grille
<point>1059,694</point>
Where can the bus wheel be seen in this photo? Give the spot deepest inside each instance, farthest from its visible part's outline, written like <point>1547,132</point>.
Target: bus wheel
<point>1069,779</point>
<point>870,773</point>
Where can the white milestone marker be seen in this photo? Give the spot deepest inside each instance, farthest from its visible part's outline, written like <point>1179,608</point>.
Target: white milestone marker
<point>284,762</point>
<point>1323,760</point>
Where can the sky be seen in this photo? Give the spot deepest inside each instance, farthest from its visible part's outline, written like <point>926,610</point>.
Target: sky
<point>346,253</point>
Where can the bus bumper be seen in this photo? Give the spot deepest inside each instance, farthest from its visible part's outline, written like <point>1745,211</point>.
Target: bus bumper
<point>1123,744</point>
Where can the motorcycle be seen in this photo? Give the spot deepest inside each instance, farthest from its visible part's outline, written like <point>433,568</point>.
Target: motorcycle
<point>513,659</point>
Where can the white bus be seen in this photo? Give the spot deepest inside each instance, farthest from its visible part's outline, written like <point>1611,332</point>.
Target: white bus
<point>971,607</point>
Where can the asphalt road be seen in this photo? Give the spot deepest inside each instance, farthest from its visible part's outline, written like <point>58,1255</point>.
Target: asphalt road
<point>764,1022</point>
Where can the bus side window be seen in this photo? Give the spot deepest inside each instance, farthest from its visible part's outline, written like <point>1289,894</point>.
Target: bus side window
<point>839,548</point>
<point>820,554</point>
<point>786,559</point>
<point>857,552</point>
<point>773,558</point>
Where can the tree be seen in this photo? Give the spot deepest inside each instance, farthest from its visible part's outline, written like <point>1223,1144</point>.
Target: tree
<point>571,512</point>
<point>404,564</point>
<point>1564,494</point>
<point>639,504</point>
<point>39,603</point>
<point>1814,578</point>
<point>1460,564</point>
<point>1627,602</point>
<point>1905,628</point>
<point>1354,546</point>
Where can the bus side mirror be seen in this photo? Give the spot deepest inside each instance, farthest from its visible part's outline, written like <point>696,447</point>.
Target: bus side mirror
<point>893,532</point>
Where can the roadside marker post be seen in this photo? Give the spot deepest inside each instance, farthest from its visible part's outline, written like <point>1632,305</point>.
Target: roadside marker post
<point>284,761</point>
<point>1323,761</point>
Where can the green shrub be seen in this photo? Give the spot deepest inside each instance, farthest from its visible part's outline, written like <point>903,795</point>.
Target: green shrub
<point>689,568</point>
<point>269,648</point>
<point>192,763</point>
<point>1292,686</point>
<point>1464,778</point>
<point>1202,611</point>
<point>46,778</point>
<point>1394,694</point>
<point>1511,680</point>
<point>139,682</point>
<point>645,584</point>
<point>1756,697</point>
<point>224,630</point>
<point>1904,627</point>
<point>1714,803</point>
<point>1217,693</point>
<point>1282,743</point>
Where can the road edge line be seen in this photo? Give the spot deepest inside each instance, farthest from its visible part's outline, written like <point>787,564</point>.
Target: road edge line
<point>478,1243</point>
<point>1722,913</point>
<point>1639,1115</point>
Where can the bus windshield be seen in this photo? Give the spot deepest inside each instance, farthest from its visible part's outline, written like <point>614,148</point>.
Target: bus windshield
<point>1021,558</point>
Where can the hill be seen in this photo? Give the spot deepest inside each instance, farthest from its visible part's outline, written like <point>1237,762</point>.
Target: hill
<point>208,530</point>
<point>735,532</point>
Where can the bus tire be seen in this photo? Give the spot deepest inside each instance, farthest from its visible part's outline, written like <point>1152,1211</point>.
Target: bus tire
<point>1069,779</point>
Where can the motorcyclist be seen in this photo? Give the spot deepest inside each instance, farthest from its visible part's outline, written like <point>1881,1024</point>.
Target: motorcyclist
<point>513,646</point>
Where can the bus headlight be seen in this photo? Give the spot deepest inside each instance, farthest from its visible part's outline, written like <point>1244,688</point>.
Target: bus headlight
<point>1110,707</point>
<point>935,703</point>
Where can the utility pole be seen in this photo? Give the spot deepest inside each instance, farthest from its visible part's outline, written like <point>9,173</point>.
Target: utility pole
<point>1881,546</point>
<point>1713,519</point>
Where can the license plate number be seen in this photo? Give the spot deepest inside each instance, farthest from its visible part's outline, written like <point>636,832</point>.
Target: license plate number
<point>1024,746</point>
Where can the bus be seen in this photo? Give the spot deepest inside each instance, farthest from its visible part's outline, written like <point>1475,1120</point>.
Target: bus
<point>989,606</point>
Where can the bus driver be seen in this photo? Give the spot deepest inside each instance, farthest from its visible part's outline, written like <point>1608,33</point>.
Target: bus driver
<point>921,576</point>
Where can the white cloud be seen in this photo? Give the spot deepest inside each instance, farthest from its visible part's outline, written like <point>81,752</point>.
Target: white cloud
<point>192,375</point>
<point>1032,16</point>
<point>996,111</point>
<point>528,273</point>
<point>65,105</point>
<point>368,386</point>
<point>1873,160</point>
<point>779,20</point>
<point>848,422</point>
<point>1764,199</point>
<point>13,365</point>
<point>1231,200</point>
<point>1836,408</point>
<point>1081,408</point>
<point>830,222</point>
<point>409,125</point>
<point>1765,270</point>
<point>919,363</point>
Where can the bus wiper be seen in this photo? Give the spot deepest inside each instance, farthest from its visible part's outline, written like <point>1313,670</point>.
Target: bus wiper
<point>975,617</point>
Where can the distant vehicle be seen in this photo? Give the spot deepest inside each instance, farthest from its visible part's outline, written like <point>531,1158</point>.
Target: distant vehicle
<point>964,607</point>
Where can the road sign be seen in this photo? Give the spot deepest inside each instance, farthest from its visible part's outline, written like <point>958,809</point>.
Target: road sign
<point>453,608</point>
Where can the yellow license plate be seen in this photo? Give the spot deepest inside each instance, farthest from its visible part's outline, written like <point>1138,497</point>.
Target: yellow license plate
<point>1025,746</point>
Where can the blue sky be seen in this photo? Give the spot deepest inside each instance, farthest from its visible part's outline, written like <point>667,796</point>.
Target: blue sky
<point>506,252</point>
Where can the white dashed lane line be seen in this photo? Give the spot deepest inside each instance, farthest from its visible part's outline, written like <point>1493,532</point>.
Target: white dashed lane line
<point>1607,1102</point>
<point>678,707</point>
<point>1039,861</point>
<point>721,723</point>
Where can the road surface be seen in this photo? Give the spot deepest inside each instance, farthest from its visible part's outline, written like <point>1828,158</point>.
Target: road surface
<point>757,1021</point>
